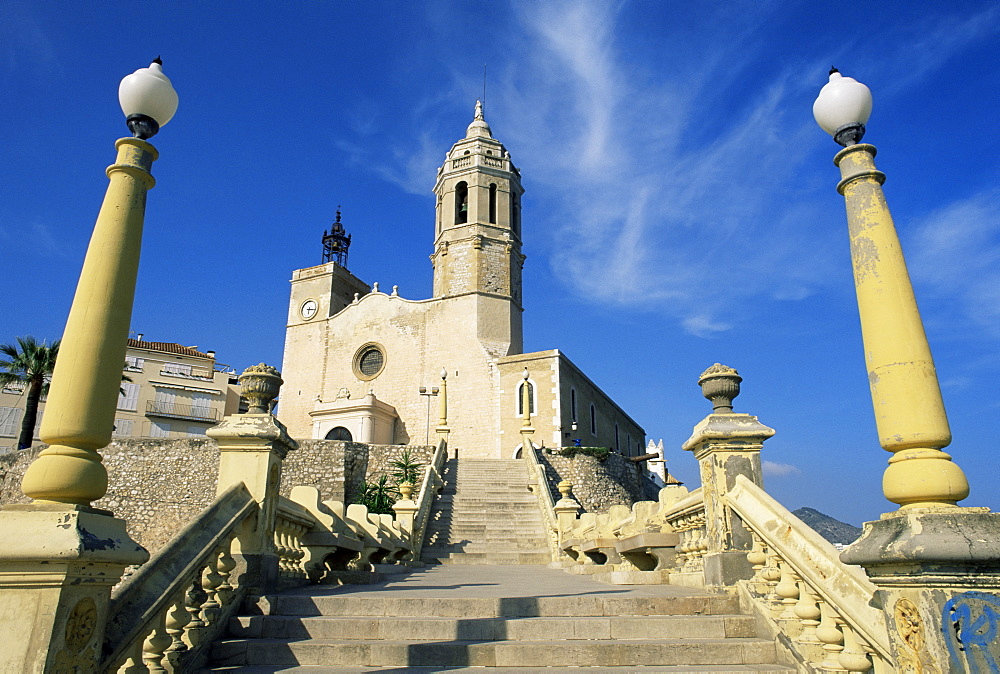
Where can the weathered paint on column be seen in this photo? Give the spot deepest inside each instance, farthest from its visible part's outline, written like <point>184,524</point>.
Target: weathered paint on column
<point>909,412</point>
<point>80,412</point>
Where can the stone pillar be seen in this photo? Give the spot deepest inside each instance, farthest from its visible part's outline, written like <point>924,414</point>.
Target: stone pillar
<point>442,429</point>
<point>937,565</point>
<point>726,445</point>
<point>566,509</point>
<point>406,512</point>
<point>60,557</point>
<point>405,508</point>
<point>252,447</point>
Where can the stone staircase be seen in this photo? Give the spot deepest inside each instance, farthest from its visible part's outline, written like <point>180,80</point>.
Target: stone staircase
<point>485,515</point>
<point>508,618</point>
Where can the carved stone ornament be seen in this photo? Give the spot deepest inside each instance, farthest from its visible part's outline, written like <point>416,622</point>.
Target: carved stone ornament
<point>406,490</point>
<point>565,488</point>
<point>260,384</point>
<point>913,656</point>
<point>80,628</point>
<point>720,384</point>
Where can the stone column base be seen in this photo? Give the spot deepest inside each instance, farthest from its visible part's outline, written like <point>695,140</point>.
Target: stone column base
<point>58,564</point>
<point>938,574</point>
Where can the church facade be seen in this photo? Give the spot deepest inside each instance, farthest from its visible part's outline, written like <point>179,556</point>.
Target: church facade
<point>367,365</point>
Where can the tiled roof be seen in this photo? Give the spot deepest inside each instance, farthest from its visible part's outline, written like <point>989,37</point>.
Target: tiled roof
<point>167,347</point>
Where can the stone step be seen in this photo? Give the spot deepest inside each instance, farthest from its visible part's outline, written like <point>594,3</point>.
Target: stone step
<point>491,629</point>
<point>547,653</point>
<point>445,540</point>
<point>522,526</point>
<point>489,558</point>
<point>601,604</point>
<point>680,669</point>
<point>437,551</point>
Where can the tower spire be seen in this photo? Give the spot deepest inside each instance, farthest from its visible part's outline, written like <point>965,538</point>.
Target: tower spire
<point>479,128</point>
<point>336,243</point>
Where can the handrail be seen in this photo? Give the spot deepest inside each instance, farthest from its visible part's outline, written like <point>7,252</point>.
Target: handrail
<point>139,603</point>
<point>544,496</point>
<point>159,408</point>
<point>844,587</point>
<point>432,482</point>
<point>690,504</point>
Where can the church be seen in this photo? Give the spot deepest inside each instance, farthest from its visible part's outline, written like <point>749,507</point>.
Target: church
<point>370,366</point>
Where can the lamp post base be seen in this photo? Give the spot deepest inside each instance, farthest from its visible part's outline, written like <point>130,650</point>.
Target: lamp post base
<point>938,574</point>
<point>57,568</point>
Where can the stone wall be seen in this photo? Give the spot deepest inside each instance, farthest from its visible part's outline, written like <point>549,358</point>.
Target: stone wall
<point>339,469</point>
<point>599,484</point>
<point>157,486</point>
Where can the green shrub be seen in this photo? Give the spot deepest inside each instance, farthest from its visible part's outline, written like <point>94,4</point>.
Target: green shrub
<point>378,497</point>
<point>599,453</point>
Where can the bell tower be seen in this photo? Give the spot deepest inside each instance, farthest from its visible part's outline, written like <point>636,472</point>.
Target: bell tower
<point>477,232</point>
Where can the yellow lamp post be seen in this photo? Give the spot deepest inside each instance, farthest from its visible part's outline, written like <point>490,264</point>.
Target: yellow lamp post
<point>526,428</point>
<point>442,429</point>
<point>80,412</point>
<point>936,565</point>
<point>61,556</point>
<point>909,411</point>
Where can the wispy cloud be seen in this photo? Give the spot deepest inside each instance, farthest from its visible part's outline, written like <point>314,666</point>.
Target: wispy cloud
<point>775,469</point>
<point>955,256</point>
<point>24,43</point>
<point>657,218</point>
<point>33,238</point>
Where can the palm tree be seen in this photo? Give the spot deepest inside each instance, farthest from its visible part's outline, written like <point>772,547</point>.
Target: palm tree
<point>29,364</point>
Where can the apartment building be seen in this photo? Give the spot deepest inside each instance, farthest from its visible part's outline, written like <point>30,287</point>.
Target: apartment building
<point>169,391</point>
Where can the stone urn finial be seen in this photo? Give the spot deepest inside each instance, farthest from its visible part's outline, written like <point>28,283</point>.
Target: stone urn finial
<point>259,384</point>
<point>406,490</point>
<point>720,384</point>
<point>565,489</point>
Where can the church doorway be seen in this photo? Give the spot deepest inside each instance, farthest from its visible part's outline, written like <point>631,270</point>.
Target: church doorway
<point>339,433</point>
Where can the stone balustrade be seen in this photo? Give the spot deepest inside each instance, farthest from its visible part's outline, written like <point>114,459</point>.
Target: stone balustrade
<point>169,610</point>
<point>820,604</point>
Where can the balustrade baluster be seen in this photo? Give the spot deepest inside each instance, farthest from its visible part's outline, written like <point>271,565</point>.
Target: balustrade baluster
<point>771,575</point>
<point>133,663</point>
<point>177,618</point>
<point>808,613</point>
<point>195,599</point>
<point>300,552</point>
<point>788,589</point>
<point>281,546</point>
<point>757,558</point>
<point>829,633</point>
<point>211,580</point>
<point>225,565</point>
<point>853,658</point>
<point>155,646</point>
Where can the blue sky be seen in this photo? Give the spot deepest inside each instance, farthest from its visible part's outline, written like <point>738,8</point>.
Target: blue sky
<point>680,204</point>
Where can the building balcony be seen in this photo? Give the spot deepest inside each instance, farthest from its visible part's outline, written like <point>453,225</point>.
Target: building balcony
<point>174,411</point>
<point>187,373</point>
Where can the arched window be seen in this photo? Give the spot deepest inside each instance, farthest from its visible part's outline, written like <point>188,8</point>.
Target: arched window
<point>339,433</point>
<point>520,398</point>
<point>572,404</point>
<point>593,420</point>
<point>515,215</point>
<point>461,203</point>
<point>493,203</point>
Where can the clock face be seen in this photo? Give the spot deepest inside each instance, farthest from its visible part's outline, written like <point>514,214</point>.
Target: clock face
<point>308,309</point>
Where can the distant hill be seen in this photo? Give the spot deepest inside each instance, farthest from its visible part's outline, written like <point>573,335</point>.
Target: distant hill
<point>832,530</point>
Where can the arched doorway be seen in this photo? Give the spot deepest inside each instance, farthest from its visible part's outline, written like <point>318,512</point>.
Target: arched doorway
<point>339,433</point>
